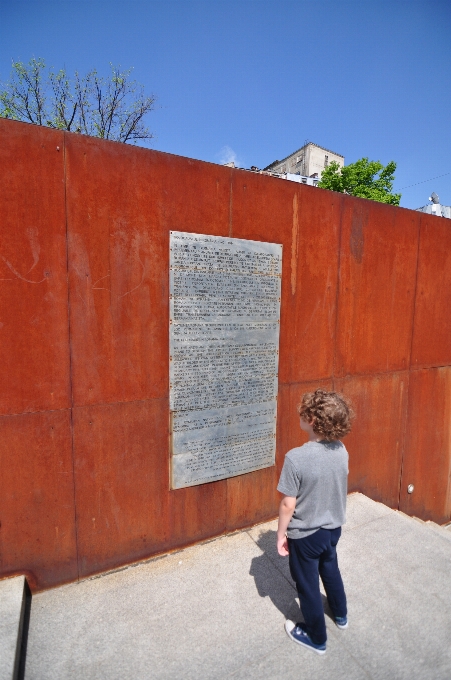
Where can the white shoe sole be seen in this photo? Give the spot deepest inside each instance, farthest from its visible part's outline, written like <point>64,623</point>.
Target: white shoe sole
<point>289,625</point>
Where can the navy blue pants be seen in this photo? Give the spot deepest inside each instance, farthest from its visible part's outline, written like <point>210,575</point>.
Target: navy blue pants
<point>311,557</point>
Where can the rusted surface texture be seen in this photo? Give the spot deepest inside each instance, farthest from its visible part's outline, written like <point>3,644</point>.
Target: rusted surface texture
<point>432,329</point>
<point>118,260</point>
<point>121,482</point>
<point>37,510</point>
<point>251,498</point>
<point>375,444</point>
<point>427,457</point>
<point>309,332</point>
<point>307,225</point>
<point>125,511</point>
<point>348,310</point>
<point>34,347</point>
<point>197,512</point>
<point>377,283</point>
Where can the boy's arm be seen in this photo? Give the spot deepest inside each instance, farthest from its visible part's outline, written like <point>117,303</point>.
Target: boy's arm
<point>286,509</point>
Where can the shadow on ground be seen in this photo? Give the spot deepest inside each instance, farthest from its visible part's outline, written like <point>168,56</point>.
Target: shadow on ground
<point>282,592</point>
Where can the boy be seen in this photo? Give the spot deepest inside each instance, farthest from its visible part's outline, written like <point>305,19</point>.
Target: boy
<point>314,484</point>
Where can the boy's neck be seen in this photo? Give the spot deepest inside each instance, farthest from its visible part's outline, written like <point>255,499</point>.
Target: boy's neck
<point>308,428</point>
<point>313,437</point>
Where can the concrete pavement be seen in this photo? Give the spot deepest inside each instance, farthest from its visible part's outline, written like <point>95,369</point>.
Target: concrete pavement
<point>217,610</point>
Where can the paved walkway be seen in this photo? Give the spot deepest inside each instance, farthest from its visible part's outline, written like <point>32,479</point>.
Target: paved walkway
<point>217,610</point>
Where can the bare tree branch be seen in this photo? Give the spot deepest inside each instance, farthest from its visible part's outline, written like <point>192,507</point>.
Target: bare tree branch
<point>110,108</point>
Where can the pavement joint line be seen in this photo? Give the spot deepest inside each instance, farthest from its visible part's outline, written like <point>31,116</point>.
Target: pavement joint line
<point>364,524</point>
<point>438,529</point>
<point>169,553</point>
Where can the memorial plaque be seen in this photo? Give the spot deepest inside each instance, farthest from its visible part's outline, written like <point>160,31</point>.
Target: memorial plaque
<point>224,356</point>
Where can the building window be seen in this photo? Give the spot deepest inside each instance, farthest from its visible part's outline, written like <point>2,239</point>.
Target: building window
<point>326,161</point>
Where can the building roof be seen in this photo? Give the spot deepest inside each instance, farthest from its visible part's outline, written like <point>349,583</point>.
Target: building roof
<point>302,147</point>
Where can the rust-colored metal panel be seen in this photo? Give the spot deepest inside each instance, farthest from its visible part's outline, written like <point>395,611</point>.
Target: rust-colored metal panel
<point>377,283</point>
<point>427,456</point>
<point>121,482</point>
<point>313,284</point>
<point>122,202</point>
<point>34,346</point>
<point>262,207</point>
<point>251,498</point>
<point>375,444</point>
<point>306,221</point>
<point>37,510</point>
<point>197,513</point>
<point>432,326</point>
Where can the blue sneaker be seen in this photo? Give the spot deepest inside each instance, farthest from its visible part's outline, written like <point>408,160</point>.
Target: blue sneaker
<point>296,632</point>
<point>341,622</point>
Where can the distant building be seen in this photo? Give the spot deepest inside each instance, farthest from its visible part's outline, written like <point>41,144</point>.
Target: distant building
<point>308,161</point>
<point>303,166</point>
<point>435,208</point>
<point>301,179</point>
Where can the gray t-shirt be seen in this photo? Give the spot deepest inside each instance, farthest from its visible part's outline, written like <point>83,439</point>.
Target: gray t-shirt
<point>317,475</point>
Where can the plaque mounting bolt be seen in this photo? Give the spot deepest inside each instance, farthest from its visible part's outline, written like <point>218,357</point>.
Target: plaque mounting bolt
<point>410,488</point>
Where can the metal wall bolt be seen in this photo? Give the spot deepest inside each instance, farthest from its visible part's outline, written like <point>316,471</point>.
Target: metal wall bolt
<point>410,488</point>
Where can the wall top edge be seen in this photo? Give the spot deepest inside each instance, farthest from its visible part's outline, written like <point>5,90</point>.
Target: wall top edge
<point>130,148</point>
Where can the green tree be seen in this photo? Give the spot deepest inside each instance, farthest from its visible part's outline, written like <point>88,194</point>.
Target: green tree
<point>364,178</point>
<point>110,108</point>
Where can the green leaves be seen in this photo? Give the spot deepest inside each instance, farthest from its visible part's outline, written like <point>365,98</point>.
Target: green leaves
<point>109,108</point>
<point>364,178</point>
<point>23,97</point>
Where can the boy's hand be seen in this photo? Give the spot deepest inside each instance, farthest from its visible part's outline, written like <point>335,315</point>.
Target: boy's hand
<point>282,546</point>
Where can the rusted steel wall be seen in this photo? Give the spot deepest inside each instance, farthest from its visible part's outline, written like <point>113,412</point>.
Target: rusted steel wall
<point>37,508</point>
<point>84,250</point>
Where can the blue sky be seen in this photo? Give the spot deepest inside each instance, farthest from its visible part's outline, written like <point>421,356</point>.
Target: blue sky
<point>253,79</point>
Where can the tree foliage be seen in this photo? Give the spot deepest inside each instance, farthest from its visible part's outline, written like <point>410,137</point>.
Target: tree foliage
<point>110,108</point>
<point>364,178</point>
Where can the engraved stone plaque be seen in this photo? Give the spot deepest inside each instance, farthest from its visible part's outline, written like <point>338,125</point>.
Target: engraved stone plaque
<point>224,356</point>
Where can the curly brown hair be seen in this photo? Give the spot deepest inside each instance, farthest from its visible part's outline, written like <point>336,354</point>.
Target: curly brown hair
<point>330,412</point>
